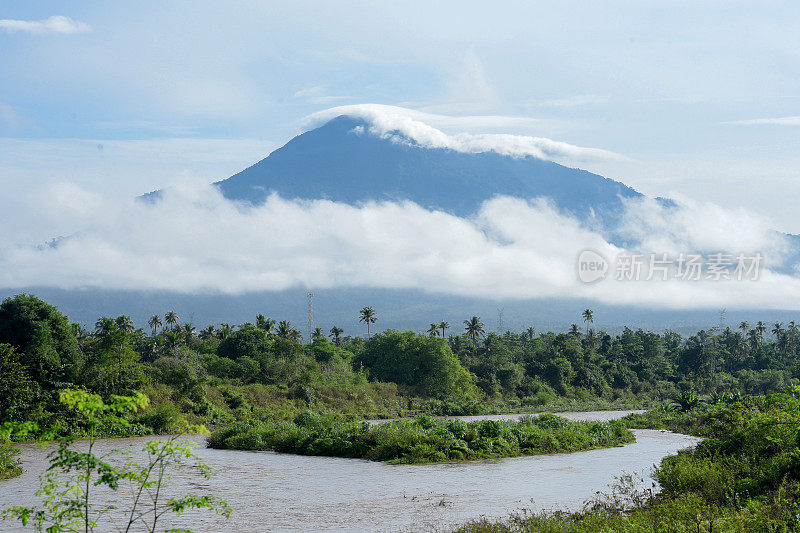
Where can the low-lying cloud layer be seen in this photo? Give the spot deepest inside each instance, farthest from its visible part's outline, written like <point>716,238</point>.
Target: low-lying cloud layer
<point>194,240</point>
<point>407,125</point>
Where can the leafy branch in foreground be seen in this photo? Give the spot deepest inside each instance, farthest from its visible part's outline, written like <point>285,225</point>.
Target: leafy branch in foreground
<point>70,486</point>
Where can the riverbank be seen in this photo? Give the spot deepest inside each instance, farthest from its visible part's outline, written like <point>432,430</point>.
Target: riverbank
<point>745,476</point>
<point>423,439</point>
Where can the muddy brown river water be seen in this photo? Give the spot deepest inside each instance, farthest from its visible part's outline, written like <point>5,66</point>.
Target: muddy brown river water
<point>281,492</point>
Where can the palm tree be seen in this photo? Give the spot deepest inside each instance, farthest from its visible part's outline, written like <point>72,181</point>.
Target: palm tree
<point>574,330</point>
<point>104,326</point>
<point>368,316</point>
<point>474,328</point>
<point>443,326</point>
<point>317,334</point>
<point>530,332</point>
<point>154,323</point>
<point>207,333</point>
<point>188,333</point>
<point>171,319</point>
<point>433,331</point>
<point>588,317</point>
<point>336,334</point>
<point>124,323</point>
<point>760,329</point>
<point>267,324</point>
<point>224,331</point>
<point>745,327</point>
<point>286,331</point>
<point>777,330</point>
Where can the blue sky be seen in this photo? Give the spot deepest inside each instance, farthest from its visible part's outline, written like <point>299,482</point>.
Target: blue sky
<point>699,96</point>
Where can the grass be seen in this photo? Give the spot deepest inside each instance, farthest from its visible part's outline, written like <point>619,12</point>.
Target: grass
<point>421,440</point>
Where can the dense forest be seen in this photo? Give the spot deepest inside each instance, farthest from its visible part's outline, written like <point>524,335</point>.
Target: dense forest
<point>265,370</point>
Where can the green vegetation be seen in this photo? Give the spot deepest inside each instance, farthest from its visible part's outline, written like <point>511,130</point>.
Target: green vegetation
<point>9,461</point>
<point>745,476</point>
<point>423,439</point>
<point>69,487</point>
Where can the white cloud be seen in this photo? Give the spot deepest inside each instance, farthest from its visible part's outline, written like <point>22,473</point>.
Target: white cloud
<point>404,125</point>
<point>55,24</point>
<point>196,241</point>
<point>777,121</point>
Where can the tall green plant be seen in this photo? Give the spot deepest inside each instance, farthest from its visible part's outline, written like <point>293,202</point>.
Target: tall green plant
<point>70,485</point>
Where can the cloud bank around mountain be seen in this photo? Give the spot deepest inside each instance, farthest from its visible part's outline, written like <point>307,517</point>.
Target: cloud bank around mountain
<point>410,126</point>
<point>195,241</point>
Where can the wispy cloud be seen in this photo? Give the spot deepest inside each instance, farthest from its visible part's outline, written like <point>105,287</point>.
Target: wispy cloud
<point>777,121</point>
<point>407,125</point>
<point>54,24</point>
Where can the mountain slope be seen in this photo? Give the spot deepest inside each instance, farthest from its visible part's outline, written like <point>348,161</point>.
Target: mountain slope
<point>342,161</point>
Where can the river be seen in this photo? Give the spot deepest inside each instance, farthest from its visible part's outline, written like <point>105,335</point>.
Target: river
<point>281,492</point>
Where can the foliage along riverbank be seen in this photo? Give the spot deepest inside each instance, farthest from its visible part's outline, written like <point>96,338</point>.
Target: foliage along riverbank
<point>745,476</point>
<point>10,465</point>
<point>423,439</point>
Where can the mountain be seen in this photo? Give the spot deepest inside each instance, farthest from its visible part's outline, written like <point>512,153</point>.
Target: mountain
<point>342,161</point>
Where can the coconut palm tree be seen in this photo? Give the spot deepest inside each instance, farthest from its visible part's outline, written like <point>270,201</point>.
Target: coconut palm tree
<point>336,334</point>
<point>368,316</point>
<point>124,323</point>
<point>760,328</point>
<point>777,329</point>
<point>530,332</point>
<point>188,333</point>
<point>207,333</point>
<point>574,330</point>
<point>224,331</point>
<point>474,328</point>
<point>171,319</point>
<point>104,326</point>
<point>154,323</point>
<point>744,326</point>
<point>284,329</point>
<point>433,331</point>
<point>588,317</point>
<point>267,324</point>
<point>443,326</point>
<point>317,334</point>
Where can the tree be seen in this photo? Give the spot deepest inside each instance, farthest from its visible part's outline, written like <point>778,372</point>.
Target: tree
<point>474,328</point>
<point>744,326</point>
<point>574,330</point>
<point>368,316</point>
<point>588,318</point>
<point>124,323</point>
<point>43,338</point>
<point>188,333</point>
<point>336,334</point>
<point>17,391</point>
<point>207,333</point>
<point>317,334</point>
<point>248,341</point>
<point>154,323</point>
<point>443,326</point>
<point>171,319</point>
<point>777,330</point>
<point>267,324</point>
<point>760,328</point>
<point>433,331</point>
<point>420,361</point>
